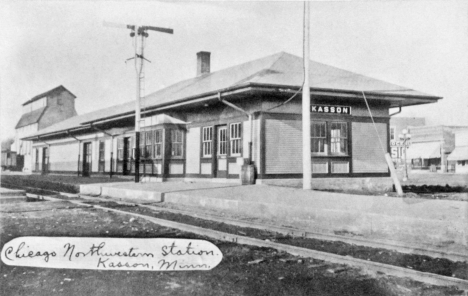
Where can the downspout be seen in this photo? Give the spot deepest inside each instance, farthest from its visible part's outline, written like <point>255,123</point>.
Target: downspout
<point>250,120</point>
<point>399,111</point>
<point>111,149</point>
<point>79,149</point>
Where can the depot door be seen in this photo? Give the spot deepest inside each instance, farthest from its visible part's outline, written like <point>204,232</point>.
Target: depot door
<point>86,159</point>
<point>221,152</point>
<point>45,160</point>
<point>127,156</point>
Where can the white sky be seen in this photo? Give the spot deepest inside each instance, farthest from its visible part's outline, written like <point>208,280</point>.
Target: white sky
<point>417,44</point>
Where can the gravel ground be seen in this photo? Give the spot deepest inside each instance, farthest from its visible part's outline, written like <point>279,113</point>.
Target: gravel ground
<point>244,270</point>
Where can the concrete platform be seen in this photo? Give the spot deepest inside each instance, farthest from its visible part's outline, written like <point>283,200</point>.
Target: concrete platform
<point>441,224</point>
<point>149,192</point>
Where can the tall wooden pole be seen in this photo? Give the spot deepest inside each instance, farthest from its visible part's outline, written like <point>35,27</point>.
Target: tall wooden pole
<point>138,68</point>
<point>306,145</point>
<point>138,31</point>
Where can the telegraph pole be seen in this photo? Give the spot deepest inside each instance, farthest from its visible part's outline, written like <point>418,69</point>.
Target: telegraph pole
<point>306,145</point>
<point>138,31</point>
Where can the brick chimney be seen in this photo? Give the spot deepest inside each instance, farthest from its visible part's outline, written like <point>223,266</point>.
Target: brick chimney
<point>203,63</point>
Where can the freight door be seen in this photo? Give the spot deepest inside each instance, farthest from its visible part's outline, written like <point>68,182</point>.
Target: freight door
<point>45,160</point>
<point>221,152</point>
<point>86,159</point>
<point>127,156</point>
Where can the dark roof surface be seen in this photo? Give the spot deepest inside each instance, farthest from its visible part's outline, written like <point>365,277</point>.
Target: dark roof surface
<point>40,96</point>
<point>278,70</point>
<point>30,118</point>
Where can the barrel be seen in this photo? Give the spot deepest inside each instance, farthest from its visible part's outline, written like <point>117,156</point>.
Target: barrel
<point>247,175</point>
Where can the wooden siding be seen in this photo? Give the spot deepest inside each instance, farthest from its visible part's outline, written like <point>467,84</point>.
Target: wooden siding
<point>234,168</point>
<point>283,146</point>
<point>257,136</point>
<point>320,167</point>
<point>368,156</point>
<point>206,168</point>
<point>176,169</point>
<point>62,157</point>
<point>245,136</point>
<point>339,167</point>
<point>193,151</point>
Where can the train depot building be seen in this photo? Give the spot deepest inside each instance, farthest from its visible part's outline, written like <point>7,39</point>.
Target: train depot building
<point>201,128</point>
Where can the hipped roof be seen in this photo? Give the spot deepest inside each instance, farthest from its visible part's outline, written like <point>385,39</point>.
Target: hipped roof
<point>281,70</point>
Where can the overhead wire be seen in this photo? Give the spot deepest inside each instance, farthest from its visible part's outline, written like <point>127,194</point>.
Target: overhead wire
<point>375,127</point>
<point>303,70</point>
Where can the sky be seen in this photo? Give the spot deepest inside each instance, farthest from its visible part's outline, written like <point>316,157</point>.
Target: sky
<point>422,45</point>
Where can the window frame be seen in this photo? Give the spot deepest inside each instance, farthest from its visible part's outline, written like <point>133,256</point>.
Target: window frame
<point>314,137</point>
<point>328,138</point>
<point>157,144</point>
<point>332,144</point>
<point>235,139</point>
<point>392,133</point>
<point>102,161</point>
<point>175,143</point>
<point>207,141</point>
<point>222,149</point>
<point>148,145</point>
<point>120,149</point>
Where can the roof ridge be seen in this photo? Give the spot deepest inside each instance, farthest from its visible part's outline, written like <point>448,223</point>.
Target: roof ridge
<point>41,95</point>
<point>269,68</point>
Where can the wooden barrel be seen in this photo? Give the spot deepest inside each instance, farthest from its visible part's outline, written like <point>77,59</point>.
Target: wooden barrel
<point>247,175</point>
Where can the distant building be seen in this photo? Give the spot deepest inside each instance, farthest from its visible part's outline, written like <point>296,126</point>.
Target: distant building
<point>397,125</point>
<point>40,112</point>
<point>430,146</point>
<point>459,156</point>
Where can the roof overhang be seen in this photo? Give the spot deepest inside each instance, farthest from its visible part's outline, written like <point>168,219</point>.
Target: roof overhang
<point>425,150</point>
<point>459,153</point>
<point>393,100</point>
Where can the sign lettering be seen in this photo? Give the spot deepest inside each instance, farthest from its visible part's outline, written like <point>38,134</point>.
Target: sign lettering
<point>153,254</point>
<point>330,109</point>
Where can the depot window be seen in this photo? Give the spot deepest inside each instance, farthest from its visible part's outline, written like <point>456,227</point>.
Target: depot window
<point>176,143</point>
<point>329,138</point>
<point>102,147</point>
<point>120,148</point>
<point>148,143</point>
<point>235,138</point>
<point>158,142</point>
<point>392,133</point>
<point>207,141</point>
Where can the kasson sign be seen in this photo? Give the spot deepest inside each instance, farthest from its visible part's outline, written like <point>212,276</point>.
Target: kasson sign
<point>330,109</point>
